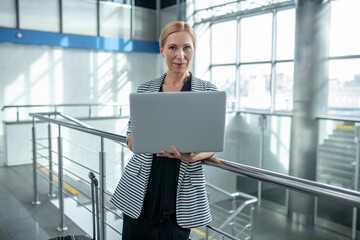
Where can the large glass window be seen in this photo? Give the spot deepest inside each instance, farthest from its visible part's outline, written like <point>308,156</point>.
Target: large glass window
<point>285,34</point>
<point>256,36</point>
<point>245,43</point>
<point>344,85</point>
<point>224,78</point>
<point>344,73</point>
<point>284,75</point>
<point>202,53</point>
<point>344,28</point>
<point>223,42</point>
<point>255,86</point>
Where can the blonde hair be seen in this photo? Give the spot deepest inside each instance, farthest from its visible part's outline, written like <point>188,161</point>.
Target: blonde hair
<point>174,27</point>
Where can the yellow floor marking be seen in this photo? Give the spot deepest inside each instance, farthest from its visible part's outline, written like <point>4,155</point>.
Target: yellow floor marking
<point>345,126</point>
<point>66,186</point>
<point>201,233</point>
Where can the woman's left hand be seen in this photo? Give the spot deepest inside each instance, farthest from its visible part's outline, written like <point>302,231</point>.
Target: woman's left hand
<point>186,157</point>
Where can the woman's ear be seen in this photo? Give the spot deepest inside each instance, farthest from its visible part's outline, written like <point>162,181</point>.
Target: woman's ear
<point>161,51</point>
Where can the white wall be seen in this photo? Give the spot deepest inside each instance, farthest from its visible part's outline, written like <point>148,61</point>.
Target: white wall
<point>31,74</point>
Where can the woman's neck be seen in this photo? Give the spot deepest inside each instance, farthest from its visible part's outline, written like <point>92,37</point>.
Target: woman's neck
<point>176,78</point>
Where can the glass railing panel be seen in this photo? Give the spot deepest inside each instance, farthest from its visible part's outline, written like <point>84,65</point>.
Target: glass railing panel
<point>260,141</point>
<point>336,165</point>
<point>270,224</point>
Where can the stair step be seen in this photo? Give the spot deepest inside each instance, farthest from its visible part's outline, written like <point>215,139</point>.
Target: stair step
<point>337,151</point>
<point>340,144</point>
<point>344,130</point>
<point>325,164</point>
<point>333,156</point>
<point>337,158</point>
<point>344,138</point>
<point>345,183</point>
<point>336,172</point>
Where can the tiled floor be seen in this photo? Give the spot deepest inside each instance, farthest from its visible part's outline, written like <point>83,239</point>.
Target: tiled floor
<point>15,221</point>
<point>19,218</point>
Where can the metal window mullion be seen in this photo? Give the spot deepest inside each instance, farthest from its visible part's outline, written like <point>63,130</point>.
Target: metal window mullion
<point>223,64</point>
<point>178,10</point>
<point>98,18</point>
<point>132,20</point>
<point>273,58</point>
<point>194,13</point>
<point>61,30</point>
<point>158,30</point>
<point>247,13</point>
<point>17,13</point>
<point>255,62</point>
<point>237,61</point>
<point>211,54</point>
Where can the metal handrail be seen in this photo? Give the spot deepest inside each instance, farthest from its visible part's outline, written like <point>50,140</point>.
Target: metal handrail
<point>338,118</point>
<point>343,195</point>
<point>266,113</point>
<point>62,105</point>
<point>80,128</point>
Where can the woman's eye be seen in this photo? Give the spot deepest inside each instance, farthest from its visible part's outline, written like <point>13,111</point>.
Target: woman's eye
<point>187,48</point>
<point>172,48</point>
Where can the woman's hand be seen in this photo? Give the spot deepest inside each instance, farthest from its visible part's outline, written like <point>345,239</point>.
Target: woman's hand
<point>129,143</point>
<point>186,157</point>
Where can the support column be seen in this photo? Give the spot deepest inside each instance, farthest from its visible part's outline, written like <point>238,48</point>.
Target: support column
<point>310,98</point>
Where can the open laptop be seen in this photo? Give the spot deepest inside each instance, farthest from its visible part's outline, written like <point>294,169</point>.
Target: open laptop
<point>192,121</point>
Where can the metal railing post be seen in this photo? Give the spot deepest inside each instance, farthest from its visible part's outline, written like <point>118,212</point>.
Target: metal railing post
<point>356,181</point>
<point>35,182</point>
<point>17,114</point>
<point>51,194</point>
<point>89,111</point>
<point>102,179</point>
<point>234,209</point>
<point>252,208</point>
<point>60,185</point>
<point>262,125</point>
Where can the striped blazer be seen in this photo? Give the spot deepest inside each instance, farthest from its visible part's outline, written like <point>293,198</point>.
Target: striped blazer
<point>192,206</point>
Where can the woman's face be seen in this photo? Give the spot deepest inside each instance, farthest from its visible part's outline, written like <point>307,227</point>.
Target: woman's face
<point>178,51</point>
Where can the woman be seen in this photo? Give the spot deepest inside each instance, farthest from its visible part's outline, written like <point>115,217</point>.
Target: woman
<point>163,195</point>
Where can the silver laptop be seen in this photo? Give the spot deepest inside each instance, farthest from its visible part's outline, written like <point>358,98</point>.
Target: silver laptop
<point>192,121</point>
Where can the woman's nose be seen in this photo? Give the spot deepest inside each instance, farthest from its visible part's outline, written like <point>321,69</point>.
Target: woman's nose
<point>180,53</point>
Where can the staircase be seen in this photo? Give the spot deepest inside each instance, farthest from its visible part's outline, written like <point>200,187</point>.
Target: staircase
<point>336,158</point>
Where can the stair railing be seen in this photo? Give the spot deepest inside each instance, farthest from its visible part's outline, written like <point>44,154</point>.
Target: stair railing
<point>120,108</point>
<point>346,196</point>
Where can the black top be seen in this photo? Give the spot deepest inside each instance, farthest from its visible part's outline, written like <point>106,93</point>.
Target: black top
<point>160,199</point>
